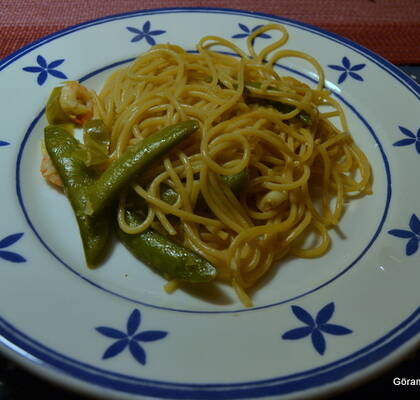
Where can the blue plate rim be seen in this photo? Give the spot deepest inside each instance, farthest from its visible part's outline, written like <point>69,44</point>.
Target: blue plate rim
<point>313,378</point>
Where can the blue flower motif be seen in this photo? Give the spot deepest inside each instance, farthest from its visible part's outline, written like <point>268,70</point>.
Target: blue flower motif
<point>130,338</point>
<point>43,69</point>
<point>412,138</point>
<point>3,143</point>
<point>246,32</point>
<point>9,255</point>
<point>347,70</point>
<point>413,235</point>
<point>145,33</point>
<point>315,327</point>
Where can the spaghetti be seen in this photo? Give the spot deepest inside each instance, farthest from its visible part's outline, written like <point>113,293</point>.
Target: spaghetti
<point>293,141</point>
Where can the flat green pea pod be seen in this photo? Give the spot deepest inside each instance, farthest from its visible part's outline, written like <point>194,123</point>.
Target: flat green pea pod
<point>135,160</point>
<point>167,194</point>
<point>236,183</point>
<point>96,142</point>
<point>303,116</point>
<point>53,111</point>
<point>165,256</point>
<point>96,232</point>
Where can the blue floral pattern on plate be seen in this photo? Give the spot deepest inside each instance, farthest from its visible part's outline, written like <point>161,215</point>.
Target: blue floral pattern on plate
<point>129,338</point>
<point>145,33</point>
<point>43,69</point>
<point>411,138</point>
<point>347,69</point>
<point>10,255</point>
<point>413,235</point>
<point>247,31</point>
<point>315,327</point>
<point>3,143</point>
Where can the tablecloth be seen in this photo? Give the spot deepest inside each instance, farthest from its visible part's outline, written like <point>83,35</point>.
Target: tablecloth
<point>390,28</point>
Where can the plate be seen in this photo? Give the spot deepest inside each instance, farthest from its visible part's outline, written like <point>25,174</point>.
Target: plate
<point>317,325</point>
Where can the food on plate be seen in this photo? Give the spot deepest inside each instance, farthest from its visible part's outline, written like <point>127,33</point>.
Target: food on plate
<point>211,164</point>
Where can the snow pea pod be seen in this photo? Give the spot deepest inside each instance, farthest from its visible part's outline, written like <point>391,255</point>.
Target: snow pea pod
<point>303,116</point>
<point>53,111</point>
<point>96,142</point>
<point>95,232</point>
<point>236,183</point>
<point>171,259</point>
<point>135,160</point>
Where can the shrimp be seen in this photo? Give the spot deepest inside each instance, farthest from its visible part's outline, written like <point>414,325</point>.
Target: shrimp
<point>48,170</point>
<point>77,102</point>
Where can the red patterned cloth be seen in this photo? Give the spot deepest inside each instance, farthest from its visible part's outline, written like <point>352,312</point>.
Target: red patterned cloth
<point>390,28</point>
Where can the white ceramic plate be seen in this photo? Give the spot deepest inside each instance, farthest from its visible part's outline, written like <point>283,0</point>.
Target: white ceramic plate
<point>317,325</point>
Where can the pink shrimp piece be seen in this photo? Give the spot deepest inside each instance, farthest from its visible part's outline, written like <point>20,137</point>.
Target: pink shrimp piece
<point>77,102</point>
<point>49,172</point>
